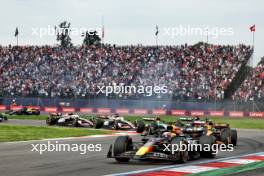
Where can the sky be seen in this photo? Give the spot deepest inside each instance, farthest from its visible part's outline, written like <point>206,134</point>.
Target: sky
<point>134,22</point>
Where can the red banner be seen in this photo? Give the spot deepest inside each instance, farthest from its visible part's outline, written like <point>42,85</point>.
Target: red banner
<point>86,110</point>
<point>68,109</point>
<point>256,114</point>
<point>103,110</point>
<point>2,107</point>
<point>122,111</point>
<point>50,109</point>
<point>178,112</point>
<point>140,111</point>
<point>197,113</point>
<point>236,114</point>
<point>216,113</point>
<point>15,108</point>
<point>159,112</point>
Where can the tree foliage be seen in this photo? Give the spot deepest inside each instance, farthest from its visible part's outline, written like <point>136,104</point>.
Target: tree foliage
<point>91,38</point>
<point>63,34</point>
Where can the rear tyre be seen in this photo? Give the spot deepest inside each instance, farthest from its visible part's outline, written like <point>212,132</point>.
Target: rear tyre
<point>225,136</point>
<point>122,144</point>
<point>5,118</point>
<point>183,155</point>
<point>99,123</point>
<point>206,141</point>
<point>37,113</point>
<point>75,122</point>
<point>140,126</point>
<point>51,121</point>
<point>234,137</point>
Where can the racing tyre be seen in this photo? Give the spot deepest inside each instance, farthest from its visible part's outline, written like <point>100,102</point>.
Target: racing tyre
<point>51,121</point>
<point>99,123</point>
<point>206,141</point>
<point>122,144</point>
<point>140,126</point>
<point>75,122</point>
<point>3,117</point>
<point>234,137</point>
<point>37,113</point>
<point>225,136</point>
<point>183,155</point>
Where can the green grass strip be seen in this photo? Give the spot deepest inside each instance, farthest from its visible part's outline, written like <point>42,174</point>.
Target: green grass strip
<point>246,122</point>
<point>22,133</point>
<point>232,170</point>
<point>28,117</point>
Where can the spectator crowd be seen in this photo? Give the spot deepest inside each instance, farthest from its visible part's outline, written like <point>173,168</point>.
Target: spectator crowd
<point>200,72</point>
<point>252,88</point>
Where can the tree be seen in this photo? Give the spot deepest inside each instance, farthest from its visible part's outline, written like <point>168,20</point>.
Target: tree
<point>91,38</point>
<point>63,32</point>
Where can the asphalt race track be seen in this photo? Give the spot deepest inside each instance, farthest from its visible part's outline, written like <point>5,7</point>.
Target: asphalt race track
<point>17,159</point>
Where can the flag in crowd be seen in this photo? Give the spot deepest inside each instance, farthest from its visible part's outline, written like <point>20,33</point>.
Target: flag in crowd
<point>16,32</point>
<point>157,30</point>
<point>253,28</point>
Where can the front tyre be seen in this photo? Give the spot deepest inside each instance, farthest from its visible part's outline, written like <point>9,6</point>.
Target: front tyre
<point>121,145</point>
<point>206,141</point>
<point>51,121</point>
<point>140,126</point>
<point>183,155</point>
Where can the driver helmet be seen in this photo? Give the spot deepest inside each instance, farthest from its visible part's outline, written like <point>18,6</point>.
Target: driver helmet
<point>168,135</point>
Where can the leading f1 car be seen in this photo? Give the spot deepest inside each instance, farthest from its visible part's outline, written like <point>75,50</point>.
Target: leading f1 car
<point>153,147</point>
<point>163,145</point>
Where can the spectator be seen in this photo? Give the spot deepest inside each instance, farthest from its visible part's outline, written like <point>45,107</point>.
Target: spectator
<point>199,72</point>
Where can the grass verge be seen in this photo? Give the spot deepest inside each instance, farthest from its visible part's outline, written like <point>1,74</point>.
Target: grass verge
<point>22,133</point>
<point>246,122</point>
<point>28,117</point>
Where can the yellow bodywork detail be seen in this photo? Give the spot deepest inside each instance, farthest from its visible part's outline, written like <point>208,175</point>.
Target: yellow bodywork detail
<point>209,130</point>
<point>142,151</point>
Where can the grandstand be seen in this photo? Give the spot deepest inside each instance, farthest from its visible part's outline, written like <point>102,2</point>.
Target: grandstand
<point>253,86</point>
<point>201,72</point>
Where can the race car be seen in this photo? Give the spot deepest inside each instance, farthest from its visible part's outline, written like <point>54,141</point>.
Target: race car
<point>155,126</point>
<point>24,111</point>
<point>154,147</point>
<point>115,122</point>
<point>222,132</point>
<point>73,120</point>
<point>3,117</point>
